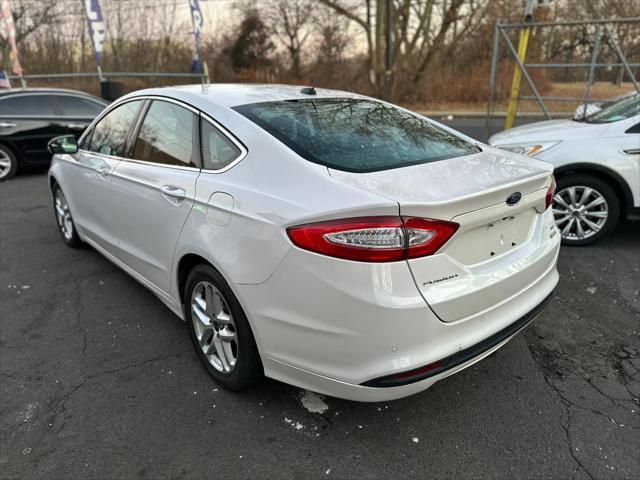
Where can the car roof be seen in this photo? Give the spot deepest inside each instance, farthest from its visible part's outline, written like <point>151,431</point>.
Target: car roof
<point>22,91</point>
<point>233,95</point>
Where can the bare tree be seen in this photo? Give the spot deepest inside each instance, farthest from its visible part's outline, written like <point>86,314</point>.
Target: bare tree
<point>332,36</point>
<point>290,22</point>
<point>421,31</point>
<point>28,18</point>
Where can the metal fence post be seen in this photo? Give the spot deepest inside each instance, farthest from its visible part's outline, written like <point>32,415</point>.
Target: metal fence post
<point>526,74</point>
<point>614,45</point>
<point>492,78</point>
<point>592,68</point>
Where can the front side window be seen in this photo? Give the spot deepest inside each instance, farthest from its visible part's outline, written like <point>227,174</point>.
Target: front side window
<point>217,150</point>
<point>355,135</point>
<point>26,105</point>
<point>168,135</point>
<point>109,136</point>
<point>78,107</point>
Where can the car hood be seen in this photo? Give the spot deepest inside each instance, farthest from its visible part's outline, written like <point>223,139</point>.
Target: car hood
<point>548,130</point>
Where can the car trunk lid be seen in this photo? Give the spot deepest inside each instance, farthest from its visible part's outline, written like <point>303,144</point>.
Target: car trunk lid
<point>492,255</point>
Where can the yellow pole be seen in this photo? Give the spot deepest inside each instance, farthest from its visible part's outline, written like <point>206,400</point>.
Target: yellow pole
<point>517,77</point>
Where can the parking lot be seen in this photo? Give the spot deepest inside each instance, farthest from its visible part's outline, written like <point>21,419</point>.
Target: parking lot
<point>99,380</point>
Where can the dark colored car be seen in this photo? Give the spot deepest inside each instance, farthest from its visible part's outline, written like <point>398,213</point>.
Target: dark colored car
<point>29,118</point>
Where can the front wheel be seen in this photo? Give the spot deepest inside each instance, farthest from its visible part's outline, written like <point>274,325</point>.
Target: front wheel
<point>219,330</point>
<point>64,220</point>
<point>585,208</point>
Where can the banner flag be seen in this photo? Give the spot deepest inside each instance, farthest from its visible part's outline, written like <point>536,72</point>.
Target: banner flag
<point>4,81</point>
<point>8,31</point>
<point>97,28</point>
<point>196,17</point>
<point>198,21</point>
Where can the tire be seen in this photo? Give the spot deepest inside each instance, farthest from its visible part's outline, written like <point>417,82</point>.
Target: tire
<point>584,221</point>
<point>8,163</point>
<point>64,220</point>
<point>233,363</point>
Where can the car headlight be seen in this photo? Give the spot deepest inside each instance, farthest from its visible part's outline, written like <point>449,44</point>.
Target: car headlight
<point>531,149</point>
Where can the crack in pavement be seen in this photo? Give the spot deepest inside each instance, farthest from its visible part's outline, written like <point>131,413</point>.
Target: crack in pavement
<point>565,426</point>
<point>79,311</point>
<point>58,406</point>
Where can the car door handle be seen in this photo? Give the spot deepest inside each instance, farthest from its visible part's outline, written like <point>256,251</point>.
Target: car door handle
<point>76,126</point>
<point>8,124</point>
<point>632,151</point>
<point>173,192</point>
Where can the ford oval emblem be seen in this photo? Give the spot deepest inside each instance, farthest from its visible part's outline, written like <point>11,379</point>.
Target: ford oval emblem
<point>514,198</point>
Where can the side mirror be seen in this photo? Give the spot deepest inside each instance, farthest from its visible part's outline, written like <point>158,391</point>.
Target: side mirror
<point>64,144</point>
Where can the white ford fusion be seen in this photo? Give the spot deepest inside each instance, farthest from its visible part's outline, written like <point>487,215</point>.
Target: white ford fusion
<point>325,239</point>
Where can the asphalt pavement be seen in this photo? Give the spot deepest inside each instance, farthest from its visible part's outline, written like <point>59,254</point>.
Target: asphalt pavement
<point>99,380</point>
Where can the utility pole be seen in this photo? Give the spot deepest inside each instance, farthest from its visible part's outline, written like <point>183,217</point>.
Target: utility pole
<point>389,50</point>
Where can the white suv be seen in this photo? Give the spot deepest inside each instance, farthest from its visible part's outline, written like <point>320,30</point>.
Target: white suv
<point>597,167</point>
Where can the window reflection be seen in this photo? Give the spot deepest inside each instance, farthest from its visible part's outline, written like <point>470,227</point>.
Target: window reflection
<point>355,135</point>
<point>110,134</point>
<point>167,136</point>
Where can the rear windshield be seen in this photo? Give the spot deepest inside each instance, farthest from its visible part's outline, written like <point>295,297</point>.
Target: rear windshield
<point>355,135</point>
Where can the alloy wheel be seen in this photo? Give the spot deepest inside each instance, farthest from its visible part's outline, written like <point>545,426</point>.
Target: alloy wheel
<point>214,327</point>
<point>63,215</point>
<point>580,212</point>
<point>5,163</point>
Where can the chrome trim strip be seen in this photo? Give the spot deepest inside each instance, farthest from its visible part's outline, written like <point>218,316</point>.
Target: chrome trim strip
<point>131,160</point>
<point>243,150</point>
<point>154,164</point>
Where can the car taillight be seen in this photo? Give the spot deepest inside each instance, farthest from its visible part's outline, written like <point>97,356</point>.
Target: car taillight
<point>374,239</point>
<point>550,192</point>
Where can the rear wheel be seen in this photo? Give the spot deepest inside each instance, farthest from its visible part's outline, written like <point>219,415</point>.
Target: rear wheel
<point>8,163</point>
<point>219,330</point>
<point>64,220</point>
<point>586,209</point>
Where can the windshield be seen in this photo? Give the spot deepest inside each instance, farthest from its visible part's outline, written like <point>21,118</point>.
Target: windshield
<point>355,135</point>
<point>626,108</point>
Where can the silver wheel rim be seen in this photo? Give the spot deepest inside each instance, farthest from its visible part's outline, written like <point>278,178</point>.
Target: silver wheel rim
<point>214,327</point>
<point>5,164</point>
<point>580,212</point>
<point>63,214</point>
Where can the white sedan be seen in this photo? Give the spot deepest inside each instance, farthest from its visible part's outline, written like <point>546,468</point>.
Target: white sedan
<point>324,239</point>
<point>597,167</point>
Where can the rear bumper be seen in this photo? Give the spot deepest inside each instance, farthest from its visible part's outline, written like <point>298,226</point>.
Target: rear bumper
<point>462,357</point>
<point>367,393</point>
<point>333,328</point>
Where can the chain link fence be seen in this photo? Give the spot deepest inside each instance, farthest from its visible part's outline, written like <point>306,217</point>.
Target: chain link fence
<point>568,69</point>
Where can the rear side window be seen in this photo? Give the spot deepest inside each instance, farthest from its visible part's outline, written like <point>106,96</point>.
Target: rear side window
<point>355,135</point>
<point>109,136</point>
<point>26,105</point>
<point>217,150</point>
<point>78,106</point>
<point>168,135</point>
